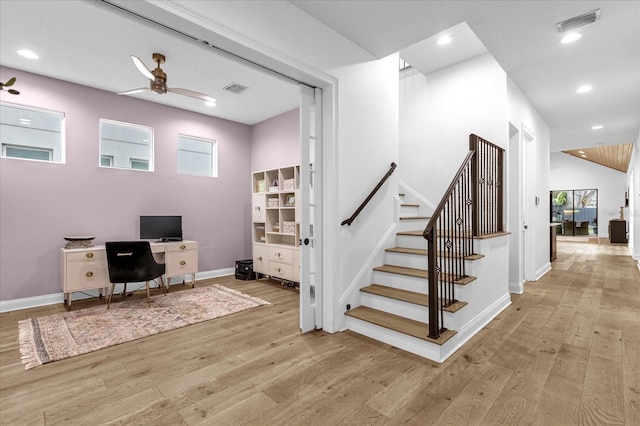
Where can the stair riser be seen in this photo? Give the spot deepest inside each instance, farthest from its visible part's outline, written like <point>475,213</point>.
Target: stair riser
<point>403,282</point>
<point>403,309</point>
<point>411,241</point>
<point>410,344</point>
<point>411,225</point>
<point>406,259</point>
<point>409,210</point>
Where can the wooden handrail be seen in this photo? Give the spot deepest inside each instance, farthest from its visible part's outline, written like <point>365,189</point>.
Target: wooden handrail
<point>471,207</point>
<point>445,197</point>
<point>370,196</point>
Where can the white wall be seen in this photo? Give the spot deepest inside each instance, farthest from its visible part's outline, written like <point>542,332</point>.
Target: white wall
<point>367,133</point>
<point>633,212</point>
<point>437,114</point>
<point>522,115</point>
<point>569,172</point>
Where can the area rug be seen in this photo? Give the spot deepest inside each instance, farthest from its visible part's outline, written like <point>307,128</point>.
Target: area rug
<point>59,336</point>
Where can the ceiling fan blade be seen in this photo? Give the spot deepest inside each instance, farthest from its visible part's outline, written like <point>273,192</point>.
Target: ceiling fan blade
<point>142,68</point>
<point>192,94</point>
<point>132,91</point>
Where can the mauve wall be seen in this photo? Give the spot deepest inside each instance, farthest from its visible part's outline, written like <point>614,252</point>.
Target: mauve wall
<point>42,202</point>
<point>275,142</point>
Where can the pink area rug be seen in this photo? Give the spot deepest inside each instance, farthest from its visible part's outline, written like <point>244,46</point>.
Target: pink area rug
<point>55,337</point>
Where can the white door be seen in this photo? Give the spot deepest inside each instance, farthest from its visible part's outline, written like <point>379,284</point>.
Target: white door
<point>529,205</point>
<point>311,212</point>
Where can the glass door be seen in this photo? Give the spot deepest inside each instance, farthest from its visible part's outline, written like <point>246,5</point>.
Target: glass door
<point>576,210</point>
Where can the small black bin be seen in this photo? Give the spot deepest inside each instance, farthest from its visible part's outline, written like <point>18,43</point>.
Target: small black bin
<point>244,270</point>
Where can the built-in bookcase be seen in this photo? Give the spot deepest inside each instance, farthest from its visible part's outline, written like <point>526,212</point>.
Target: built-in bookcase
<point>276,222</point>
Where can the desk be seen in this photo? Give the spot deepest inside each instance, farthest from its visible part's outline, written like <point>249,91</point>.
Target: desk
<point>86,268</point>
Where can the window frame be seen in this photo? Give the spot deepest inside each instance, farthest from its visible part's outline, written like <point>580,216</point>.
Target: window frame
<point>214,155</point>
<point>58,145</point>
<point>130,157</point>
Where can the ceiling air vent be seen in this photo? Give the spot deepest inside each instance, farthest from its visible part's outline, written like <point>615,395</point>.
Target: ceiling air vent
<point>578,21</point>
<point>235,88</point>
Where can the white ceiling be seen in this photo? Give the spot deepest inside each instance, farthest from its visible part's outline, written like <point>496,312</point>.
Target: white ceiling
<point>90,44</point>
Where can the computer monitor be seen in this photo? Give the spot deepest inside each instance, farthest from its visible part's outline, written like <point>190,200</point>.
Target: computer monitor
<point>163,228</point>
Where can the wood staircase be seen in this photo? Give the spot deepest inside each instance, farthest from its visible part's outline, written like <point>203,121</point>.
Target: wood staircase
<point>396,302</point>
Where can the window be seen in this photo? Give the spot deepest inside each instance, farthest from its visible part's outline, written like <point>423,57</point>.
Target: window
<point>197,156</point>
<point>576,210</point>
<point>138,164</point>
<point>31,133</point>
<point>126,146</point>
<point>106,160</point>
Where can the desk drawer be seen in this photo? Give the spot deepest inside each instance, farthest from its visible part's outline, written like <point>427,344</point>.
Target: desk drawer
<point>86,255</point>
<point>86,276</point>
<point>181,246</point>
<point>181,262</point>
<point>282,255</point>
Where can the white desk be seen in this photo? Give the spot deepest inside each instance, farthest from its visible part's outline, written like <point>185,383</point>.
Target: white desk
<point>86,268</point>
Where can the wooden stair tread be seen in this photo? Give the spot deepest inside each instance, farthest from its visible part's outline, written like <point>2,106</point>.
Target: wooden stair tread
<point>409,205</point>
<point>423,252</point>
<point>414,297</point>
<point>415,217</point>
<point>411,233</point>
<point>397,323</point>
<point>420,232</point>
<point>417,273</point>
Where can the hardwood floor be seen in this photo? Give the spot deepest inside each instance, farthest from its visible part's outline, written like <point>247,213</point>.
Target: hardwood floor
<point>566,352</point>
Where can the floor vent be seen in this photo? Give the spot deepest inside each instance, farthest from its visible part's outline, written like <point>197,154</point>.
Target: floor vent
<point>578,21</point>
<point>235,88</point>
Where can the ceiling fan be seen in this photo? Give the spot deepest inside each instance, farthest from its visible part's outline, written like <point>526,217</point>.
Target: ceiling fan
<point>158,80</point>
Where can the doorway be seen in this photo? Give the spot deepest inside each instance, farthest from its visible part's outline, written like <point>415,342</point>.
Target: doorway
<point>576,210</point>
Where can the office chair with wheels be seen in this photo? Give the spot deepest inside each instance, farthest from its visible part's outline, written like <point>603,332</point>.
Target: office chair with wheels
<point>132,261</point>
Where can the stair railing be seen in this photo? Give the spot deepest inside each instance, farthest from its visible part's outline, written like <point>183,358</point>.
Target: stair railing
<point>370,196</point>
<point>471,206</point>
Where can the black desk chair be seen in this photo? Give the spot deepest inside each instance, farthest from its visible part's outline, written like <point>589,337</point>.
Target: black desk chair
<point>132,261</point>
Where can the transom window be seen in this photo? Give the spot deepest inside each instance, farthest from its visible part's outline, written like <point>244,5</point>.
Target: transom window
<point>197,156</point>
<point>31,133</point>
<point>126,146</point>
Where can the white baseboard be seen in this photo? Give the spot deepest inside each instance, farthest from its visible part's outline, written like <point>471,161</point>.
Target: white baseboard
<point>52,299</point>
<point>516,288</point>
<point>543,270</point>
<point>475,325</point>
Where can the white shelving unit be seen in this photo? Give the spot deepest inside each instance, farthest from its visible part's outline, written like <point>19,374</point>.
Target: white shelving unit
<point>276,223</point>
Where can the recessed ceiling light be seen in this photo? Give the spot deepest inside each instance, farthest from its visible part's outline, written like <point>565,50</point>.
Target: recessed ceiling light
<point>210,104</point>
<point>583,156</point>
<point>598,127</point>
<point>584,89</point>
<point>445,39</point>
<point>581,152</point>
<point>25,121</point>
<point>27,54</point>
<point>569,38</point>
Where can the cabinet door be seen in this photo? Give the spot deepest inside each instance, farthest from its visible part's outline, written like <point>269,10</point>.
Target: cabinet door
<point>261,259</point>
<point>258,214</point>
